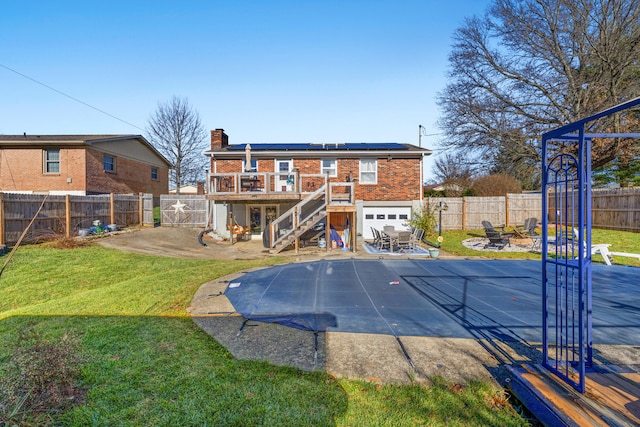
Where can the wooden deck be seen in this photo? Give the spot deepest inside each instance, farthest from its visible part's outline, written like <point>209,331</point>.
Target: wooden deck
<point>612,396</point>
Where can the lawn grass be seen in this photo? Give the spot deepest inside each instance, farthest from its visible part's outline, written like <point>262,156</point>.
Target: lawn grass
<point>621,241</point>
<point>146,363</point>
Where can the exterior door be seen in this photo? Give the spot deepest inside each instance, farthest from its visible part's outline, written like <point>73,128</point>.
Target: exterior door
<point>260,216</point>
<point>283,168</point>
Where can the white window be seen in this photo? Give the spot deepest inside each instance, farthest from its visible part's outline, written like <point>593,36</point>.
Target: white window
<point>329,167</point>
<point>52,160</point>
<point>154,174</point>
<point>368,171</point>
<point>253,167</point>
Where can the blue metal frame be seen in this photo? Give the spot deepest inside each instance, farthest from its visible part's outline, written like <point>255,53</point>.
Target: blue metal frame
<point>566,273</point>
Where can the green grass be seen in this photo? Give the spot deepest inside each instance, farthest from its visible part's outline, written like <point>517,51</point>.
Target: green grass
<point>146,363</point>
<point>156,214</point>
<point>621,241</point>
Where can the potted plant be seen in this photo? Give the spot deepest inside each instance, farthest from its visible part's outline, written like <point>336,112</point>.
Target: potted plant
<point>435,252</point>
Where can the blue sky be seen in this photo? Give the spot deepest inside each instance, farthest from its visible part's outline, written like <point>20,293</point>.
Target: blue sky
<point>265,71</point>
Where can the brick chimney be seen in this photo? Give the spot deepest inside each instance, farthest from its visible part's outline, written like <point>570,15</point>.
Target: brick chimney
<point>219,139</point>
<point>200,188</point>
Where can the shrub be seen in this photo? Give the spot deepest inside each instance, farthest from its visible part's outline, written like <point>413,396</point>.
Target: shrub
<point>495,185</point>
<point>425,218</point>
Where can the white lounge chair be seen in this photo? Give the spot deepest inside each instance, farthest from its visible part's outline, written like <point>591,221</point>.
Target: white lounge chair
<point>607,255</point>
<point>603,250</point>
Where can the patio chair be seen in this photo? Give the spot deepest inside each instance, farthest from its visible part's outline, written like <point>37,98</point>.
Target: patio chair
<point>404,241</point>
<point>530,225</point>
<point>496,240</point>
<point>569,237</point>
<point>384,242</point>
<point>416,237</point>
<point>607,255</point>
<point>376,237</point>
<point>529,229</point>
<point>489,227</point>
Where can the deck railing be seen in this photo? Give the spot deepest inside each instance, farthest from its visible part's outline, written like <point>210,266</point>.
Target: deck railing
<point>341,193</point>
<point>264,182</point>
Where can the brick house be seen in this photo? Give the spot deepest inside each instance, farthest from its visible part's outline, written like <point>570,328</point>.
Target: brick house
<point>81,165</point>
<point>294,186</point>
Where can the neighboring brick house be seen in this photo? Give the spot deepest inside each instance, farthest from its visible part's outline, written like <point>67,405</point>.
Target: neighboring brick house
<point>81,165</point>
<point>386,180</point>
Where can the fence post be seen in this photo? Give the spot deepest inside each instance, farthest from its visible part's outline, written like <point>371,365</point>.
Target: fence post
<point>464,213</point>
<point>112,208</point>
<point>67,214</point>
<point>141,209</point>
<point>506,209</point>
<point>2,219</point>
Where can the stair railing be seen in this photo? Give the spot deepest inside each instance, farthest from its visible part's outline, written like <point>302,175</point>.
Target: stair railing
<point>287,223</point>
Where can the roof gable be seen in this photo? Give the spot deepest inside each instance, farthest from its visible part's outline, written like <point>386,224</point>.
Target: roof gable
<point>87,140</point>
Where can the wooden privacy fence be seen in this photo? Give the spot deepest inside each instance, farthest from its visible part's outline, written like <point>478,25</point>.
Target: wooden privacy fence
<point>469,212</point>
<point>615,209</point>
<point>66,215</point>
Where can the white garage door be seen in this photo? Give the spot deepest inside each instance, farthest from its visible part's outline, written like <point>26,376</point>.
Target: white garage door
<point>378,217</point>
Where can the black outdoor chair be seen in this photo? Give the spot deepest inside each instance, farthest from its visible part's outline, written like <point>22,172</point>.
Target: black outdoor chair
<point>530,225</point>
<point>496,240</point>
<point>529,229</point>
<point>489,227</point>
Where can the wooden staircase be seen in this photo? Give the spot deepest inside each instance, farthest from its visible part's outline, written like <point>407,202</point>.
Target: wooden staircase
<point>290,238</point>
<point>288,227</point>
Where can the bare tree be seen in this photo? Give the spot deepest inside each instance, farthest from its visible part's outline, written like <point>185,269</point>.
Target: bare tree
<point>531,65</point>
<point>455,172</point>
<point>176,131</point>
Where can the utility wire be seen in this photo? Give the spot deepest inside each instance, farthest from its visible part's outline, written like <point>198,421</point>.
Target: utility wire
<point>69,96</point>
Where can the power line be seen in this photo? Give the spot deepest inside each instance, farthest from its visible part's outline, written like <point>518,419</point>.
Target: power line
<point>70,97</point>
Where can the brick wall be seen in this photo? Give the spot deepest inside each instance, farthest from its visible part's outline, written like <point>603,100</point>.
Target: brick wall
<point>22,169</point>
<point>130,176</point>
<point>398,179</point>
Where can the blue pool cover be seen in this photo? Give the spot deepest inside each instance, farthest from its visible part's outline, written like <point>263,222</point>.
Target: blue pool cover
<point>499,299</point>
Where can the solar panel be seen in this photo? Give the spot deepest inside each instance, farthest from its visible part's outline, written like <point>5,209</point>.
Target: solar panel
<point>351,146</point>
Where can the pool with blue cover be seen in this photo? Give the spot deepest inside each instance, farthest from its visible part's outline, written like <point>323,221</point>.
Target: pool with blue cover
<point>492,299</point>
